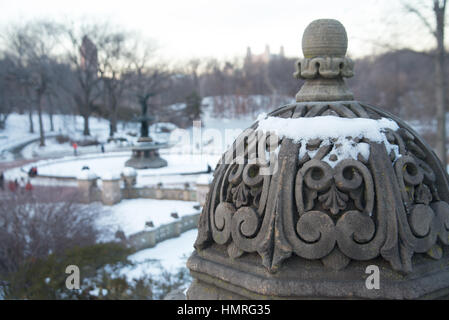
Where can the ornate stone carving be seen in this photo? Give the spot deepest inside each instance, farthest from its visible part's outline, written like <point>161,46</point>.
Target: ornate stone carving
<point>385,206</point>
<point>304,211</point>
<point>326,67</point>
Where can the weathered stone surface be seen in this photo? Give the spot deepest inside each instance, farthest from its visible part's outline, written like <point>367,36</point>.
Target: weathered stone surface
<point>324,37</point>
<point>88,190</point>
<point>310,229</point>
<point>110,193</point>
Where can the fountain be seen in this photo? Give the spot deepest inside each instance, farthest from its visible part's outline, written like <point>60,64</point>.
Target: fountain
<point>146,154</point>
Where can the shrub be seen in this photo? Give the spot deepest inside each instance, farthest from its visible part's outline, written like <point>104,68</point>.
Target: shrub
<point>35,225</point>
<point>101,278</point>
<point>61,138</point>
<point>45,278</point>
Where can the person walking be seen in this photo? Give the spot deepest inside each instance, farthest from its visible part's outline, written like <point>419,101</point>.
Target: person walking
<point>2,181</point>
<point>29,186</point>
<point>12,186</point>
<point>75,148</point>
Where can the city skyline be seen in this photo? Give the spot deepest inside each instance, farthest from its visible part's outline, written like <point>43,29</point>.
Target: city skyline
<point>225,29</point>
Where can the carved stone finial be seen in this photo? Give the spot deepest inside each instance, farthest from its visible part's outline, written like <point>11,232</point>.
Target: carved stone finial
<point>317,192</point>
<point>324,66</point>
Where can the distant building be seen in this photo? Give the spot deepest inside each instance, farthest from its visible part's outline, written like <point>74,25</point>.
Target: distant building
<point>264,57</point>
<point>89,55</point>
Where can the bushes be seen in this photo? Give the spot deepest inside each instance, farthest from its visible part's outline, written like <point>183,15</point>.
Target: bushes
<point>87,142</point>
<point>100,277</point>
<point>40,236</point>
<point>62,138</point>
<point>33,226</point>
<point>45,278</point>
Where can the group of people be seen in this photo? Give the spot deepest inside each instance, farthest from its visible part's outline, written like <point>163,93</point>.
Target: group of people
<point>32,172</point>
<point>20,185</point>
<point>16,184</point>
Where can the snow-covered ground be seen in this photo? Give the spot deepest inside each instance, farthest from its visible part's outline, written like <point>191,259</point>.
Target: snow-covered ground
<point>170,256</point>
<point>101,165</point>
<point>17,133</point>
<point>130,216</point>
<point>218,128</point>
<point>172,176</point>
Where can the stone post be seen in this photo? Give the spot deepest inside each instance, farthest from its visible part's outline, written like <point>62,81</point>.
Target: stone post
<point>87,185</point>
<point>110,194</point>
<point>186,192</point>
<point>159,191</point>
<point>129,177</point>
<point>356,206</point>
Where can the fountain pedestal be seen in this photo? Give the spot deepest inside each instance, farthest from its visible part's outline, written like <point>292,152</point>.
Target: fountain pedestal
<point>146,155</point>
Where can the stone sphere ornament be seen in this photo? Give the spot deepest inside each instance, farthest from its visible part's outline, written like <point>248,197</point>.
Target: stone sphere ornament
<point>316,193</point>
<point>324,37</point>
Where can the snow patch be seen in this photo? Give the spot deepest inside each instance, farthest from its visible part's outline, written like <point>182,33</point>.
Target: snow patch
<point>131,216</point>
<point>110,176</point>
<point>129,172</point>
<point>332,130</point>
<point>86,175</point>
<point>171,255</point>
<point>327,127</point>
<point>205,179</point>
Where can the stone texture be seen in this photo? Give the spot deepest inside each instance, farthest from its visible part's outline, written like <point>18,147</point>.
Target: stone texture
<point>111,193</point>
<point>88,189</point>
<point>324,37</point>
<point>201,193</point>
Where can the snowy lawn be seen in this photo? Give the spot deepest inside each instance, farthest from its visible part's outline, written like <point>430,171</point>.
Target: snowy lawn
<point>131,215</point>
<point>106,164</point>
<point>103,164</point>
<point>169,255</point>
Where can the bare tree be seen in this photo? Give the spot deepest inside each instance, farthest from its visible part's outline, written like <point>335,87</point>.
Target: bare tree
<point>114,68</point>
<point>192,68</point>
<point>437,30</point>
<point>32,48</point>
<point>148,81</point>
<point>9,91</point>
<point>83,57</point>
<point>33,226</point>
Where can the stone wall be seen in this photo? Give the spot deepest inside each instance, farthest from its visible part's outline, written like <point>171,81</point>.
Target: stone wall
<point>88,190</point>
<point>148,239</point>
<point>159,193</point>
<point>110,192</point>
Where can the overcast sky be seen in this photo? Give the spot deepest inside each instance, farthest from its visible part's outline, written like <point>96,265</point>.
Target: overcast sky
<point>225,28</point>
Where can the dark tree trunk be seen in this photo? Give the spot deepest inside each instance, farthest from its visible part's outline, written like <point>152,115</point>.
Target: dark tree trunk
<point>86,130</point>
<point>52,126</point>
<point>30,119</point>
<point>440,82</point>
<point>113,121</point>
<point>41,124</point>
